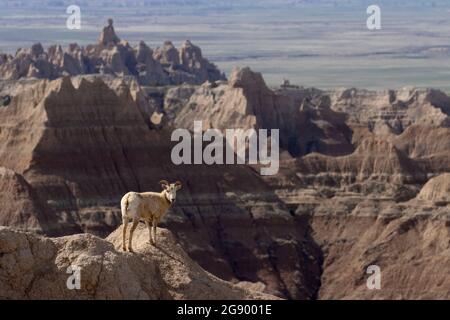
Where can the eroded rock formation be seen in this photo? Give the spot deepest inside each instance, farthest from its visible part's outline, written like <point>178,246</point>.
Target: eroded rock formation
<point>92,143</point>
<point>164,66</point>
<point>33,267</point>
<point>408,241</point>
<point>437,190</point>
<point>355,185</point>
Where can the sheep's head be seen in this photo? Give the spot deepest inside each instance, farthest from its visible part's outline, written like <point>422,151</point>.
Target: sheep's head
<point>170,189</point>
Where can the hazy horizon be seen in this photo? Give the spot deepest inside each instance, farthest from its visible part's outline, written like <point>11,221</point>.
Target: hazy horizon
<point>322,44</point>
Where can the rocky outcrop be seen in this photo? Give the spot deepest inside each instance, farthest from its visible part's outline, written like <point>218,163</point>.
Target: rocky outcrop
<point>246,102</point>
<point>408,242</point>
<point>21,207</point>
<point>437,190</point>
<point>429,146</point>
<point>33,267</point>
<point>192,61</point>
<point>397,109</point>
<point>375,167</point>
<point>149,70</point>
<point>108,35</point>
<point>355,139</point>
<point>168,54</point>
<point>96,126</point>
<point>165,66</point>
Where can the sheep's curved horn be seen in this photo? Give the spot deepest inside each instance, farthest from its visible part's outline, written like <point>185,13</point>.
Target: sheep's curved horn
<point>164,183</point>
<point>178,185</point>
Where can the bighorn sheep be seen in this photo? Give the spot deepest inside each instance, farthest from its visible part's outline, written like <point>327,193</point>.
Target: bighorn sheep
<point>150,207</point>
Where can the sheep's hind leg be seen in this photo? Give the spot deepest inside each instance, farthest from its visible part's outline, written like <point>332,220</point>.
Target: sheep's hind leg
<point>150,239</point>
<point>133,227</point>
<point>154,232</point>
<point>124,233</point>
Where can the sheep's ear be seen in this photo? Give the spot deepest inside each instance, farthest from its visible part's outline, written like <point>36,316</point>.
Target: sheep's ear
<point>178,185</point>
<point>164,184</point>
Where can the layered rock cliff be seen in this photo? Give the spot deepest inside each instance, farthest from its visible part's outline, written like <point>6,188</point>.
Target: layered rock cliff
<point>246,102</point>
<point>352,188</point>
<point>92,144</point>
<point>408,241</point>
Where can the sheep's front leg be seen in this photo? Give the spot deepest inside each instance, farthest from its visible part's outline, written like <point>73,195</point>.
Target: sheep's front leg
<point>133,227</point>
<point>124,233</point>
<point>154,231</point>
<point>149,227</point>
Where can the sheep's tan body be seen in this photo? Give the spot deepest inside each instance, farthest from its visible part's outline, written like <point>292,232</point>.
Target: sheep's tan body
<point>149,207</point>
